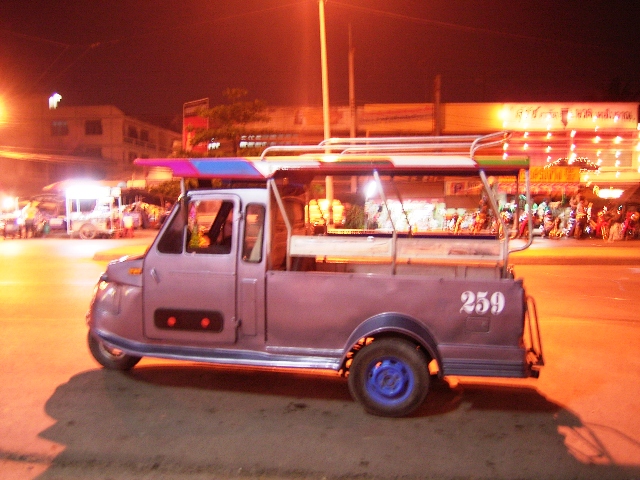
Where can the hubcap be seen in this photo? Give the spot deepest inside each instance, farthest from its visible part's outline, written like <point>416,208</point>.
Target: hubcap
<point>389,381</point>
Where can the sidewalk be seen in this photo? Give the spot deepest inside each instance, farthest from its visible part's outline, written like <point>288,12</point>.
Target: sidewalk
<point>568,251</point>
<point>134,246</point>
<point>543,251</point>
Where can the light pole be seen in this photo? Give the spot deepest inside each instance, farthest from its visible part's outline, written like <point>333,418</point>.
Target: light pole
<point>325,74</point>
<point>325,103</point>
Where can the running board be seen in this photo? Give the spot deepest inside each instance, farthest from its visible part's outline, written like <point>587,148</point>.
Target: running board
<point>219,356</point>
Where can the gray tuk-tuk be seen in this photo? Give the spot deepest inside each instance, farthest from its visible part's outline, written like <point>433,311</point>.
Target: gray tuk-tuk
<point>350,256</point>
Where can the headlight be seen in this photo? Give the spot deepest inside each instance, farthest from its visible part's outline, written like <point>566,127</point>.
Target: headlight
<point>107,298</point>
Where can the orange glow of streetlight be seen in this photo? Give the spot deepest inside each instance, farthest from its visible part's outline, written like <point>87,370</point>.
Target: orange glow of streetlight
<point>3,111</point>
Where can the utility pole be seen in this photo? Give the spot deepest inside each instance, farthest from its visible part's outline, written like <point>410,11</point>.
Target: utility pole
<point>325,74</point>
<point>352,93</point>
<point>325,102</point>
<point>353,131</point>
<point>437,116</point>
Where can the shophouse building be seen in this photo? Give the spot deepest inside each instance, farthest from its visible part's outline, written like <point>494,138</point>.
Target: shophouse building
<point>42,143</point>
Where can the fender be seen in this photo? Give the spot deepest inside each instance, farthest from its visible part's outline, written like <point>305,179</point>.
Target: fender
<point>126,270</point>
<point>394,322</point>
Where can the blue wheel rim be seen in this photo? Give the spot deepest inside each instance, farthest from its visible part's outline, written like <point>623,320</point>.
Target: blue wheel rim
<point>389,381</point>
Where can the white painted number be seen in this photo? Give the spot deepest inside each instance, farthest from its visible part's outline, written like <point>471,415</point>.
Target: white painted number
<point>497,303</point>
<point>480,303</point>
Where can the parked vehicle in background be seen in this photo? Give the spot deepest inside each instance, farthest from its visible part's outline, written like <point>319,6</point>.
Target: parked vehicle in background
<point>144,215</point>
<point>144,207</point>
<point>51,216</point>
<point>77,208</point>
<point>262,272</point>
<point>93,210</point>
<point>10,225</point>
<point>10,217</point>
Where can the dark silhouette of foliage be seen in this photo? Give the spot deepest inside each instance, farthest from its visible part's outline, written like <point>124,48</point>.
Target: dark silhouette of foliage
<point>229,121</point>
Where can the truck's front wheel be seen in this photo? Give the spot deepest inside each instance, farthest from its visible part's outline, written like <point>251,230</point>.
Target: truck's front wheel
<point>110,357</point>
<point>389,377</point>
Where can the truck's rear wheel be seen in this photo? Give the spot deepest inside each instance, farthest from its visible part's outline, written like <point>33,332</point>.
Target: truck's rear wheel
<point>389,377</point>
<point>87,231</point>
<point>110,357</point>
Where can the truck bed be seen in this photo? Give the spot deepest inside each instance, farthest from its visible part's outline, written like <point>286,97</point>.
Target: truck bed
<point>443,256</point>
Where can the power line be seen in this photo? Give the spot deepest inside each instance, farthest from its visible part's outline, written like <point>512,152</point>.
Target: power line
<point>155,31</point>
<point>33,38</point>
<point>463,28</point>
<point>86,48</point>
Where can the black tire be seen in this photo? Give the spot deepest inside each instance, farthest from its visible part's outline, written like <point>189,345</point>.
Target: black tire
<point>111,358</point>
<point>389,377</point>
<point>87,231</point>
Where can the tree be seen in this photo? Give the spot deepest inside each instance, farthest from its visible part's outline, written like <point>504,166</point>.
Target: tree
<point>168,191</point>
<point>229,121</point>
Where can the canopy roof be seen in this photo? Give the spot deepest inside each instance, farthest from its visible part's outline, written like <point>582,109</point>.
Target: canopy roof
<point>406,155</point>
<point>262,169</point>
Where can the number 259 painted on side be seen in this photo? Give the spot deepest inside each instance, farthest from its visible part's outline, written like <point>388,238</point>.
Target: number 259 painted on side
<point>481,303</point>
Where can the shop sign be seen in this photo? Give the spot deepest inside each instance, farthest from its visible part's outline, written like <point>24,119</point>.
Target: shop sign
<point>313,117</point>
<point>542,180</point>
<point>548,175</point>
<point>553,175</point>
<point>410,117</point>
<point>553,181</point>
<point>549,189</point>
<point>556,116</point>
<point>462,187</point>
<point>191,122</point>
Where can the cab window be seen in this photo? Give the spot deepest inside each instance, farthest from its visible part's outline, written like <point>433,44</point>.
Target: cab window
<point>210,226</point>
<point>200,226</point>
<point>253,233</point>
<point>172,240</point>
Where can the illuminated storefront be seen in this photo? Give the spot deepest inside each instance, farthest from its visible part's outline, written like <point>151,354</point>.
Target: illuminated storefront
<point>601,139</point>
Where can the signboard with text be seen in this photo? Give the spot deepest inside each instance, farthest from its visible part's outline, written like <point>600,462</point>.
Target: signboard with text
<point>383,118</point>
<point>556,116</point>
<point>192,122</point>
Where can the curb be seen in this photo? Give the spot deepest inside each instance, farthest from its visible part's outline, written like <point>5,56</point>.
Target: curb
<point>586,256</point>
<point>117,253</point>
<point>573,260</point>
<point>541,252</point>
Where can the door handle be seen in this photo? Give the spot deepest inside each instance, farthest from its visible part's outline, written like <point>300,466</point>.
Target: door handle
<point>154,274</point>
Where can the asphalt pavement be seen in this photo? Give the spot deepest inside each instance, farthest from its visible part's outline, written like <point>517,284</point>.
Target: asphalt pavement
<point>543,251</point>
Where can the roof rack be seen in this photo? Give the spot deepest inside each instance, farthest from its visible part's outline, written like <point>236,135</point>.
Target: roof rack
<point>442,145</point>
<point>353,154</point>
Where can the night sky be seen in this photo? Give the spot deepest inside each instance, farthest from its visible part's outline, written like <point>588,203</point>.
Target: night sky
<point>148,57</point>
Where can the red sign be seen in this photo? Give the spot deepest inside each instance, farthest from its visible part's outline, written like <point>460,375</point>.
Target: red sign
<point>191,123</point>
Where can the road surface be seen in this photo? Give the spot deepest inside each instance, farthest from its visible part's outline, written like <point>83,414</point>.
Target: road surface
<point>63,417</point>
